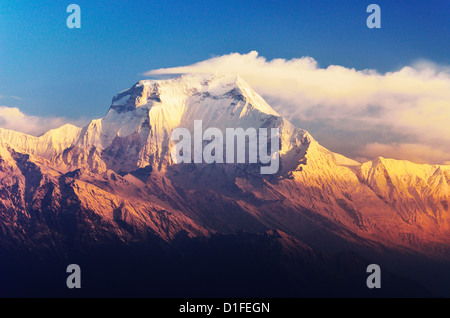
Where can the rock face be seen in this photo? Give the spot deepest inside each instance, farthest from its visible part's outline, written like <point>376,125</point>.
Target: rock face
<point>114,182</point>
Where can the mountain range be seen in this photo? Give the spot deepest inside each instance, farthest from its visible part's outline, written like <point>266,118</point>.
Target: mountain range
<point>110,197</point>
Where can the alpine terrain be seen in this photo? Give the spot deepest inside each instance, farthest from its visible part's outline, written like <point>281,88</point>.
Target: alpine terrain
<point>110,198</point>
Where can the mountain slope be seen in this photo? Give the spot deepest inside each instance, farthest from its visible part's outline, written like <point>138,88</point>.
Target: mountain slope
<point>47,145</point>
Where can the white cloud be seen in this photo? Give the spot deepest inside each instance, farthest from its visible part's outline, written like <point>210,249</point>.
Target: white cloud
<point>12,118</point>
<point>411,103</point>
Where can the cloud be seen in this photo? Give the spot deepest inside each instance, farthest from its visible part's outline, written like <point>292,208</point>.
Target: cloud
<point>11,97</point>
<point>15,97</point>
<point>412,104</point>
<point>12,118</point>
<point>414,152</point>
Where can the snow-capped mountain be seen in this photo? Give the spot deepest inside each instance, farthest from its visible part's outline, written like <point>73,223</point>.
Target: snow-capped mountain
<point>115,180</point>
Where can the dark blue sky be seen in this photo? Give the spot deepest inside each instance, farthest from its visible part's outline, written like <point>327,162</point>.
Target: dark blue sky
<point>75,72</point>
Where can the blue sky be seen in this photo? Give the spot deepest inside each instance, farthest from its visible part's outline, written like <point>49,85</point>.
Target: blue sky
<point>75,72</point>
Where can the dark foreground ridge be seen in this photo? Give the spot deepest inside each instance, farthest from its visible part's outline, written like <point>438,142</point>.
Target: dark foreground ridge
<point>239,265</point>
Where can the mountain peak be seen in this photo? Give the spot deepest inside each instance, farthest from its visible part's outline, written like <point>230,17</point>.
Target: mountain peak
<point>46,145</point>
<point>215,86</point>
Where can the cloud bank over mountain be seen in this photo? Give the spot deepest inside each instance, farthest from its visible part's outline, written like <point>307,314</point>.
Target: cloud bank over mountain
<point>350,111</point>
<point>13,118</point>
